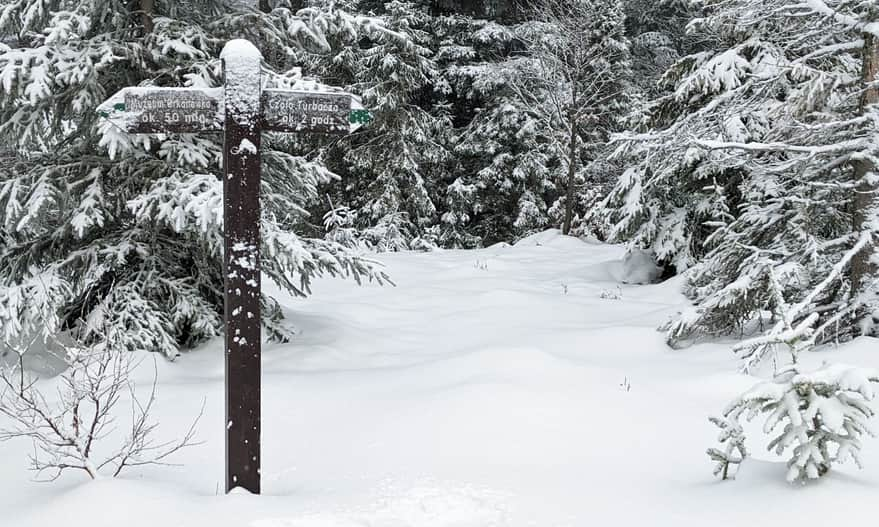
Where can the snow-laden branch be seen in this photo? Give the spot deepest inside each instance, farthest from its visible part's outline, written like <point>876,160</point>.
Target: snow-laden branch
<point>833,49</point>
<point>799,336</point>
<point>820,7</point>
<point>844,146</point>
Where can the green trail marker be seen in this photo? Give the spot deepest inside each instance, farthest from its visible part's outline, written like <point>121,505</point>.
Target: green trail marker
<point>360,116</point>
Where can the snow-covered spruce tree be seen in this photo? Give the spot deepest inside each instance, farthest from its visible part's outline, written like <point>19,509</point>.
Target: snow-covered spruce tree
<point>765,179</point>
<point>430,101</point>
<point>459,208</point>
<point>405,148</point>
<point>657,32</point>
<point>100,229</point>
<point>388,168</point>
<point>575,85</point>
<point>498,142</point>
<point>511,170</point>
<point>823,415</point>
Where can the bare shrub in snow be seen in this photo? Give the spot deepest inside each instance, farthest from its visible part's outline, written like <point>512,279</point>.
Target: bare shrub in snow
<point>815,418</point>
<point>77,427</point>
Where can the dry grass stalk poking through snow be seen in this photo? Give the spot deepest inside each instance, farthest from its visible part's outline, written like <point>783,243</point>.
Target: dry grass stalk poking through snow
<point>76,428</point>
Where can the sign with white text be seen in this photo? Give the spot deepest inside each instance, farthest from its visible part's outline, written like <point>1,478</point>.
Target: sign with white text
<point>166,110</point>
<point>302,111</point>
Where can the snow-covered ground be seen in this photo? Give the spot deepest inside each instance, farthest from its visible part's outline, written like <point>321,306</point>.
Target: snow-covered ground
<point>510,386</point>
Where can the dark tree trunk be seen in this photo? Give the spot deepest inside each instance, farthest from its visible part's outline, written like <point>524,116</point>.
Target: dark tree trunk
<point>864,203</point>
<point>147,9</point>
<point>572,174</point>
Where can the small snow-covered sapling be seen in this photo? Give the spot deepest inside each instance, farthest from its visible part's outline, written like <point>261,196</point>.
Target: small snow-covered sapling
<point>732,449</point>
<point>815,419</point>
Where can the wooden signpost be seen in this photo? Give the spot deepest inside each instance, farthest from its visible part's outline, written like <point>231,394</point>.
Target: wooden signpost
<point>242,110</point>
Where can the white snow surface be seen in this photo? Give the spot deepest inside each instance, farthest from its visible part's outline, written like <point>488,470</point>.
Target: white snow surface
<point>488,388</point>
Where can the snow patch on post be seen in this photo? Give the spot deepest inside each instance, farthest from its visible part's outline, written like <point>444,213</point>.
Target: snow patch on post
<point>246,147</point>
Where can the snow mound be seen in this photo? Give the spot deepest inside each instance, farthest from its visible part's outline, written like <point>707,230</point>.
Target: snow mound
<point>499,245</point>
<point>639,267</point>
<point>540,238</point>
<point>551,237</point>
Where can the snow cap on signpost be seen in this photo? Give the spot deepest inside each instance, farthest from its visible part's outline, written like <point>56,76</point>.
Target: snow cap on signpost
<point>241,63</point>
<point>240,48</point>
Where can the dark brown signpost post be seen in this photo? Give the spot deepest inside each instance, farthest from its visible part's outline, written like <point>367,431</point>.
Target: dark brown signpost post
<point>241,165</point>
<point>242,110</point>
